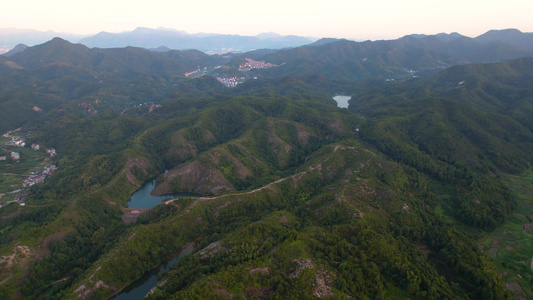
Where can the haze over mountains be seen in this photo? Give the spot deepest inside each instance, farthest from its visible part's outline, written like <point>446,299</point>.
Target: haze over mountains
<point>155,38</point>
<point>212,42</point>
<point>339,61</point>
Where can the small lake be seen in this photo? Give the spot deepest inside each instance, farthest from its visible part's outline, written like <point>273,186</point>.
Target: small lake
<point>342,101</point>
<point>138,289</point>
<point>142,198</point>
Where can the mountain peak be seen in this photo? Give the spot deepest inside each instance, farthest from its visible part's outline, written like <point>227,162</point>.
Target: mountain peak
<point>268,35</point>
<point>496,34</point>
<point>18,48</point>
<point>324,41</point>
<point>511,36</point>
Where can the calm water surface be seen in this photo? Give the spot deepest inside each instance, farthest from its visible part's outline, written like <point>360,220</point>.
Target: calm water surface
<point>142,198</point>
<point>138,289</point>
<point>342,101</point>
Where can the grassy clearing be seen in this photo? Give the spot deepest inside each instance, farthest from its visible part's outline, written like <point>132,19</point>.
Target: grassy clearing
<point>511,246</point>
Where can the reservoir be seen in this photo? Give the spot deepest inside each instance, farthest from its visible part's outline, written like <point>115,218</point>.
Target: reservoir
<point>138,289</point>
<point>142,198</point>
<point>342,101</point>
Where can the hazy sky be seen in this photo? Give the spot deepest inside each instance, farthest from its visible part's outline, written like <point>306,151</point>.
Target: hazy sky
<point>371,19</point>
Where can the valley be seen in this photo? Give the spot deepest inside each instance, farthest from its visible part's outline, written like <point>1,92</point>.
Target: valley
<point>417,187</point>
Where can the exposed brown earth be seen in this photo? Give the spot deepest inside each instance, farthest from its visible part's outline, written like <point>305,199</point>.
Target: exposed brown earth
<point>132,214</point>
<point>303,264</point>
<point>259,293</point>
<point>528,228</point>
<point>45,250</point>
<point>212,250</point>
<point>195,178</point>
<point>139,162</point>
<point>19,257</point>
<point>260,271</point>
<point>323,284</point>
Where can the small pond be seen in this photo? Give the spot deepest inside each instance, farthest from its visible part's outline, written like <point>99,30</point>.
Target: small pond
<point>342,101</point>
<point>142,198</point>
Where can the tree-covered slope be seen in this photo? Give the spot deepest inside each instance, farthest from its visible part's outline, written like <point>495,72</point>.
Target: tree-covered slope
<point>295,198</point>
<point>409,56</point>
<point>40,78</point>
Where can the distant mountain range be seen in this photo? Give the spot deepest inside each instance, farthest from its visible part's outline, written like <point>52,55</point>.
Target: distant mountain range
<point>163,39</point>
<point>153,38</point>
<point>157,38</point>
<point>10,37</point>
<point>75,71</point>
<point>411,55</point>
<point>400,196</point>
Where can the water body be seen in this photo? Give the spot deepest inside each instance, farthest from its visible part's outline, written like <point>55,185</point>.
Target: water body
<point>342,101</point>
<point>142,198</point>
<point>138,289</point>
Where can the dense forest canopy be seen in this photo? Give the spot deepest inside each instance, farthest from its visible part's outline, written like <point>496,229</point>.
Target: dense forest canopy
<point>288,196</point>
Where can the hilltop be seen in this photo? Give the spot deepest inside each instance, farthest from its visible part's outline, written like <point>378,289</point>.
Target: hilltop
<point>280,193</point>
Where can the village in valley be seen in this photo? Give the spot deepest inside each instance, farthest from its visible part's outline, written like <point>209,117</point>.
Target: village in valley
<point>21,167</point>
<point>232,81</point>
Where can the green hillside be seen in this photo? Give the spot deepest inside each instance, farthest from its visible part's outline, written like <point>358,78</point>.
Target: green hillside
<point>282,194</point>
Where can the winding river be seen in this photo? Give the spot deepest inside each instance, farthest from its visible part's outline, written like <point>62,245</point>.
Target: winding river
<point>138,289</point>
<point>142,199</point>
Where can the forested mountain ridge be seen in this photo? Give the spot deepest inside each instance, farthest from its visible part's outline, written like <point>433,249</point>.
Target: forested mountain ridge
<point>295,198</point>
<point>58,72</point>
<point>108,60</point>
<point>410,55</point>
<point>53,68</point>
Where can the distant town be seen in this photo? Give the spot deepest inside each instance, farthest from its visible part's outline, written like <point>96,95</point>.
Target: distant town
<point>233,81</point>
<point>254,64</point>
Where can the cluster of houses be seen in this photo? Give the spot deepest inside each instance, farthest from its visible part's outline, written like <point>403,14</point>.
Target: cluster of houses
<point>254,64</point>
<point>20,198</point>
<point>38,177</point>
<point>13,155</point>
<point>17,141</point>
<point>231,81</point>
<point>20,142</point>
<point>35,177</point>
<point>51,151</point>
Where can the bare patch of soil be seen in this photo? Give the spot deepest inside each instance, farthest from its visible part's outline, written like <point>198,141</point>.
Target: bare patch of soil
<point>20,256</point>
<point>303,264</point>
<point>528,228</point>
<point>193,177</point>
<point>260,271</point>
<point>212,250</point>
<point>141,163</point>
<point>259,293</point>
<point>132,214</point>
<point>515,288</point>
<point>324,283</point>
<point>45,250</point>
<point>225,294</point>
